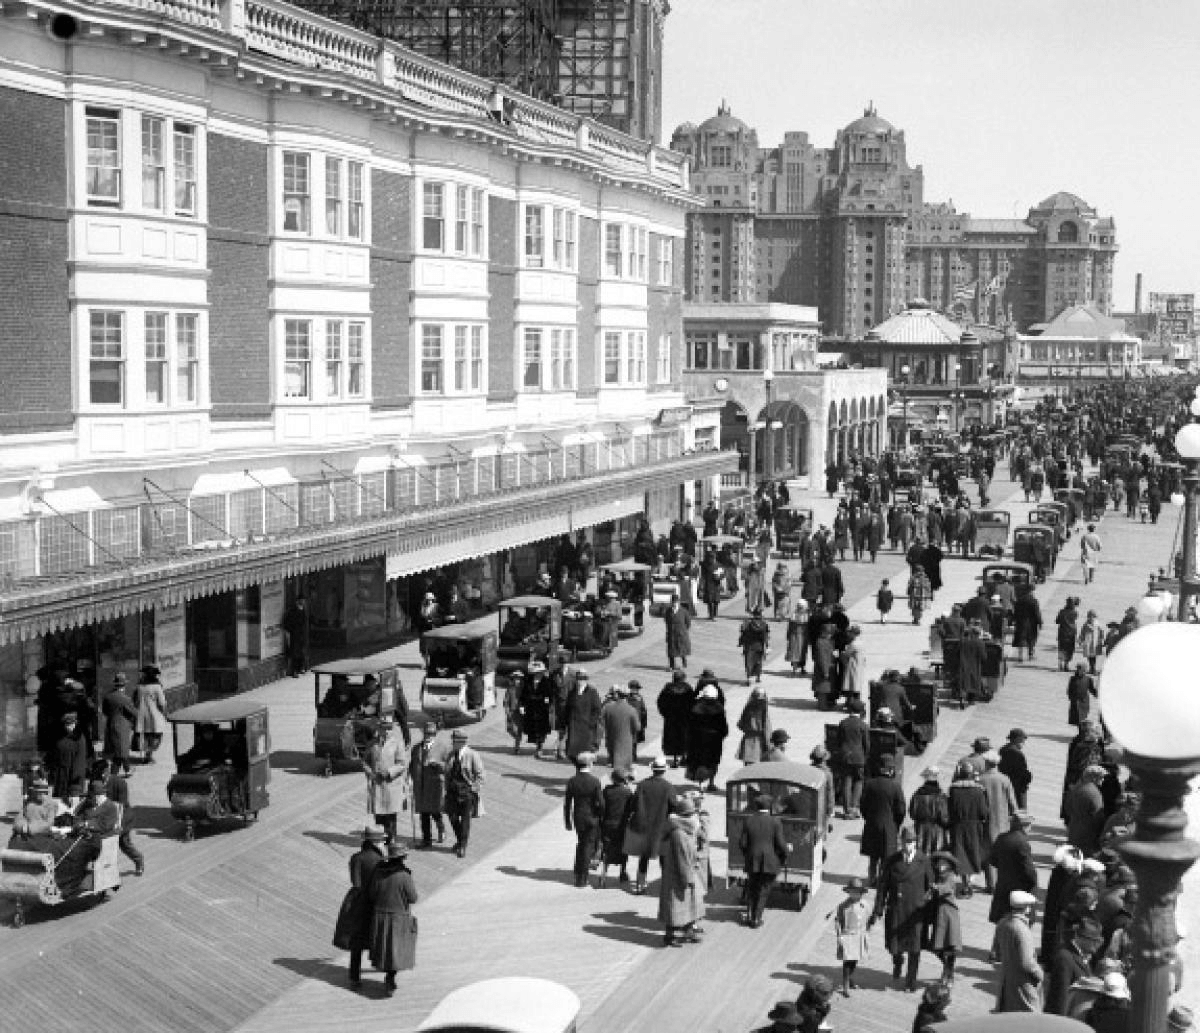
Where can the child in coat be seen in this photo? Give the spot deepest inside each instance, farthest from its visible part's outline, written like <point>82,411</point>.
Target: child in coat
<point>850,925</point>
<point>883,600</point>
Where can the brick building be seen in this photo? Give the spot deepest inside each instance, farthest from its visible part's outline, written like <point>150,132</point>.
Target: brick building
<point>848,229</point>
<point>290,309</point>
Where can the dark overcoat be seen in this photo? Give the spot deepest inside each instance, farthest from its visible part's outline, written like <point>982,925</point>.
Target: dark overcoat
<point>353,929</point>
<point>900,900</point>
<point>583,720</point>
<point>393,943</point>
<point>968,814</point>
<point>945,925</point>
<point>707,731</point>
<point>1012,858</point>
<point>678,632</point>
<point>429,761</point>
<point>675,704</point>
<point>648,812</point>
<point>882,807</point>
<point>764,849</point>
<point>120,715</point>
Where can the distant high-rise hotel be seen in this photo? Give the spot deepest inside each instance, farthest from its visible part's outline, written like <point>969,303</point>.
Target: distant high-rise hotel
<point>848,229</point>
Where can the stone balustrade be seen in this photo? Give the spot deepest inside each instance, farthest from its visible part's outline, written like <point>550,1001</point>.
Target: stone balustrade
<point>287,32</point>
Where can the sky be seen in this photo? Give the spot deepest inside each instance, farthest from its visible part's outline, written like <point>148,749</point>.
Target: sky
<point>1004,102</point>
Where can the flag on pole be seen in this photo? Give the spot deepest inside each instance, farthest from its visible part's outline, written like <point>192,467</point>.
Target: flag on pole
<point>965,291</point>
<point>994,286</point>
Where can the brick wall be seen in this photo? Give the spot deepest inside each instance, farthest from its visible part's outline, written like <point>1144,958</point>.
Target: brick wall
<point>35,331</point>
<point>502,244</point>
<point>391,283</point>
<point>589,276</point>
<point>238,293</point>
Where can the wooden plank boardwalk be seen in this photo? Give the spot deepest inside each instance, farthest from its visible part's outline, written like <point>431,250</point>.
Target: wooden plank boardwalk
<point>232,931</point>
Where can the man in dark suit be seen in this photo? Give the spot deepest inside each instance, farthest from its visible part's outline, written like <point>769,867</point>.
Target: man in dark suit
<point>854,743</point>
<point>67,764</point>
<point>97,817</point>
<point>832,588</point>
<point>883,810</point>
<point>648,811</point>
<point>353,929</point>
<point>1012,858</point>
<point>1015,765</point>
<point>904,884</point>
<point>583,811</point>
<point>764,851</point>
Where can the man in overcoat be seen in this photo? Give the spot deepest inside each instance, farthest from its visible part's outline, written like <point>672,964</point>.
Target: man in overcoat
<point>464,784</point>
<point>678,623</point>
<point>583,716</point>
<point>392,892</point>
<point>648,812</point>
<point>1015,765</point>
<point>1020,974</point>
<point>353,929</point>
<point>120,715</point>
<point>1012,858</point>
<point>621,726</point>
<point>674,705</point>
<point>883,809</point>
<point>764,851</point>
<point>854,744</point>
<point>904,884</point>
<point>583,812</point>
<point>384,765</point>
<point>427,769</point>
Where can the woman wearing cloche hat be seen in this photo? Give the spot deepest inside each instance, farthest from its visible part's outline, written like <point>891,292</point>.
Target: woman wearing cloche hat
<point>393,941</point>
<point>850,925</point>
<point>353,929</point>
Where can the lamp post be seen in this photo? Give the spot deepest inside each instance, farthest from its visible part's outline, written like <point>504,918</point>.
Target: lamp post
<point>957,398</point>
<point>1157,724</point>
<point>1187,444</point>
<point>904,371</point>
<point>768,455</point>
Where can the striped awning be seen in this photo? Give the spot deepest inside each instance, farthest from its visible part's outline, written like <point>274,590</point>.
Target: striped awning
<point>413,541</point>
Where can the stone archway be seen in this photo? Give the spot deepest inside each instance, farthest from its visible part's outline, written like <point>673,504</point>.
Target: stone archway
<point>783,441</point>
<point>735,432</point>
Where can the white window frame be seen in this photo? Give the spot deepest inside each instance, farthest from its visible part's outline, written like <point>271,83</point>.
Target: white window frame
<point>106,122</point>
<point>356,208</point>
<point>457,211</point>
<point>625,252</point>
<point>297,332</point>
<point>156,353</point>
<point>188,360</point>
<point>666,262</point>
<point>635,357</point>
<point>334,196</point>
<point>153,151</point>
<point>431,362</point>
<point>611,358</point>
<point>185,175</point>
<point>535,236</point>
<point>662,373</point>
<point>532,359</point>
<point>296,191</point>
<point>107,347</point>
<point>550,356</point>
<point>614,250</point>
<point>356,359</point>
<point>335,359</point>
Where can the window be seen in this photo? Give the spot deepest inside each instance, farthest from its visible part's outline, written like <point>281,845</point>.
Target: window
<point>532,359</point>
<point>662,373</point>
<point>637,267</point>
<point>613,251</point>
<point>477,234</point>
<point>154,164</point>
<point>636,352</point>
<point>187,359</point>
<point>431,359</point>
<point>468,359</point>
<point>722,156</point>
<point>334,359</point>
<point>562,360</point>
<point>666,262</point>
<point>612,358</point>
<point>106,372</point>
<point>434,217</point>
<point>462,208</point>
<point>535,237</point>
<point>461,358</point>
<point>156,358</point>
<point>297,370</point>
<point>476,358</point>
<point>103,157</point>
<point>356,359</point>
<point>333,197</point>
<point>296,198</point>
<point>185,169</point>
<point>354,200</point>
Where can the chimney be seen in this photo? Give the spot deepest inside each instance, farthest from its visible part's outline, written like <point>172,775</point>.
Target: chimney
<point>1137,295</point>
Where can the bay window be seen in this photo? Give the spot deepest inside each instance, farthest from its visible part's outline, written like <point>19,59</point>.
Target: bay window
<point>612,358</point>
<point>548,359</point>
<point>476,372</point>
<point>531,359</point>
<point>666,262</point>
<point>478,238</point>
<point>354,200</point>
<point>613,250</point>
<point>636,352</point>
<point>535,237</point>
<point>157,154</point>
<point>333,197</point>
<point>433,216</point>
<point>106,345</point>
<point>452,219</point>
<point>562,360</point>
<point>626,251</point>
<point>185,169</point>
<point>297,369</point>
<point>452,359</point>
<point>624,357</point>
<point>155,343</point>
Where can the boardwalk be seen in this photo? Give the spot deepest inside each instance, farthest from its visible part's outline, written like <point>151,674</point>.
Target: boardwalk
<point>232,932</point>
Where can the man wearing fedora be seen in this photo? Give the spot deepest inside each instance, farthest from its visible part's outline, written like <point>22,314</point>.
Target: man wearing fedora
<point>353,929</point>
<point>1015,765</point>
<point>385,765</point>
<point>427,770</point>
<point>764,851</point>
<point>904,884</point>
<point>120,716</point>
<point>393,940</point>
<point>1020,974</point>
<point>583,812</point>
<point>464,784</point>
<point>1012,857</point>
<point>648,810</point>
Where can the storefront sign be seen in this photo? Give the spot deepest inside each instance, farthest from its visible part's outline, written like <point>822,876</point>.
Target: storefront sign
<point>270,597</point>
<point>170,644</point>
<point>674,417</point>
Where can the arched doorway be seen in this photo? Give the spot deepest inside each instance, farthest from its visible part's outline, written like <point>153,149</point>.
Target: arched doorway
<point>781,441</point>
<point>735,432</point>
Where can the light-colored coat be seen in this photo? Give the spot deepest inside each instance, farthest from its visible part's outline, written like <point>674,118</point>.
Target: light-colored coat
<point>1002,802</point>
<point>385,765</point>
<point>621,726</point>
<point>151,703</point>
<point>854,666</point>
<point>678,900</point>
<point>1020,974</point>
<point>850,924</point>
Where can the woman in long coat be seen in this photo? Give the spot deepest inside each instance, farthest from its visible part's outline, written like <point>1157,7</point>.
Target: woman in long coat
<point>353,929</point>
<point>393,943</point>
<point>968,815</point>
<point>514,721</point>
<point>1080,689</point>
<point>678,899</point>
<point>537,701</point>
<point>823,664</point>
<point>850,926</point>
<point>945,927</point>
<point>675,705</point>
<point>755,726</point>
<point>1067,621</point>
<point>707,730</point>
<point>617,797</point>
<point>120,715</point>
<point>756,593</point>
<point>797,632</point>
<point>929,809</point>
<point>854,666</point>
<point>151,703</point>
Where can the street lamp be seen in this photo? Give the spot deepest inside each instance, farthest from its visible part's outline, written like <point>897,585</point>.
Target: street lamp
<point>1187,444</point>
<point>956,399</point>
<point>904,372</point>
<point>768,456</point>
<point>1153,718</point>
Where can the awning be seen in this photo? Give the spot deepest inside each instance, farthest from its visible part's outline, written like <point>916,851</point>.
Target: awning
<point>74,500</point>
<point>415,540</point>
<point>227,483</point>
